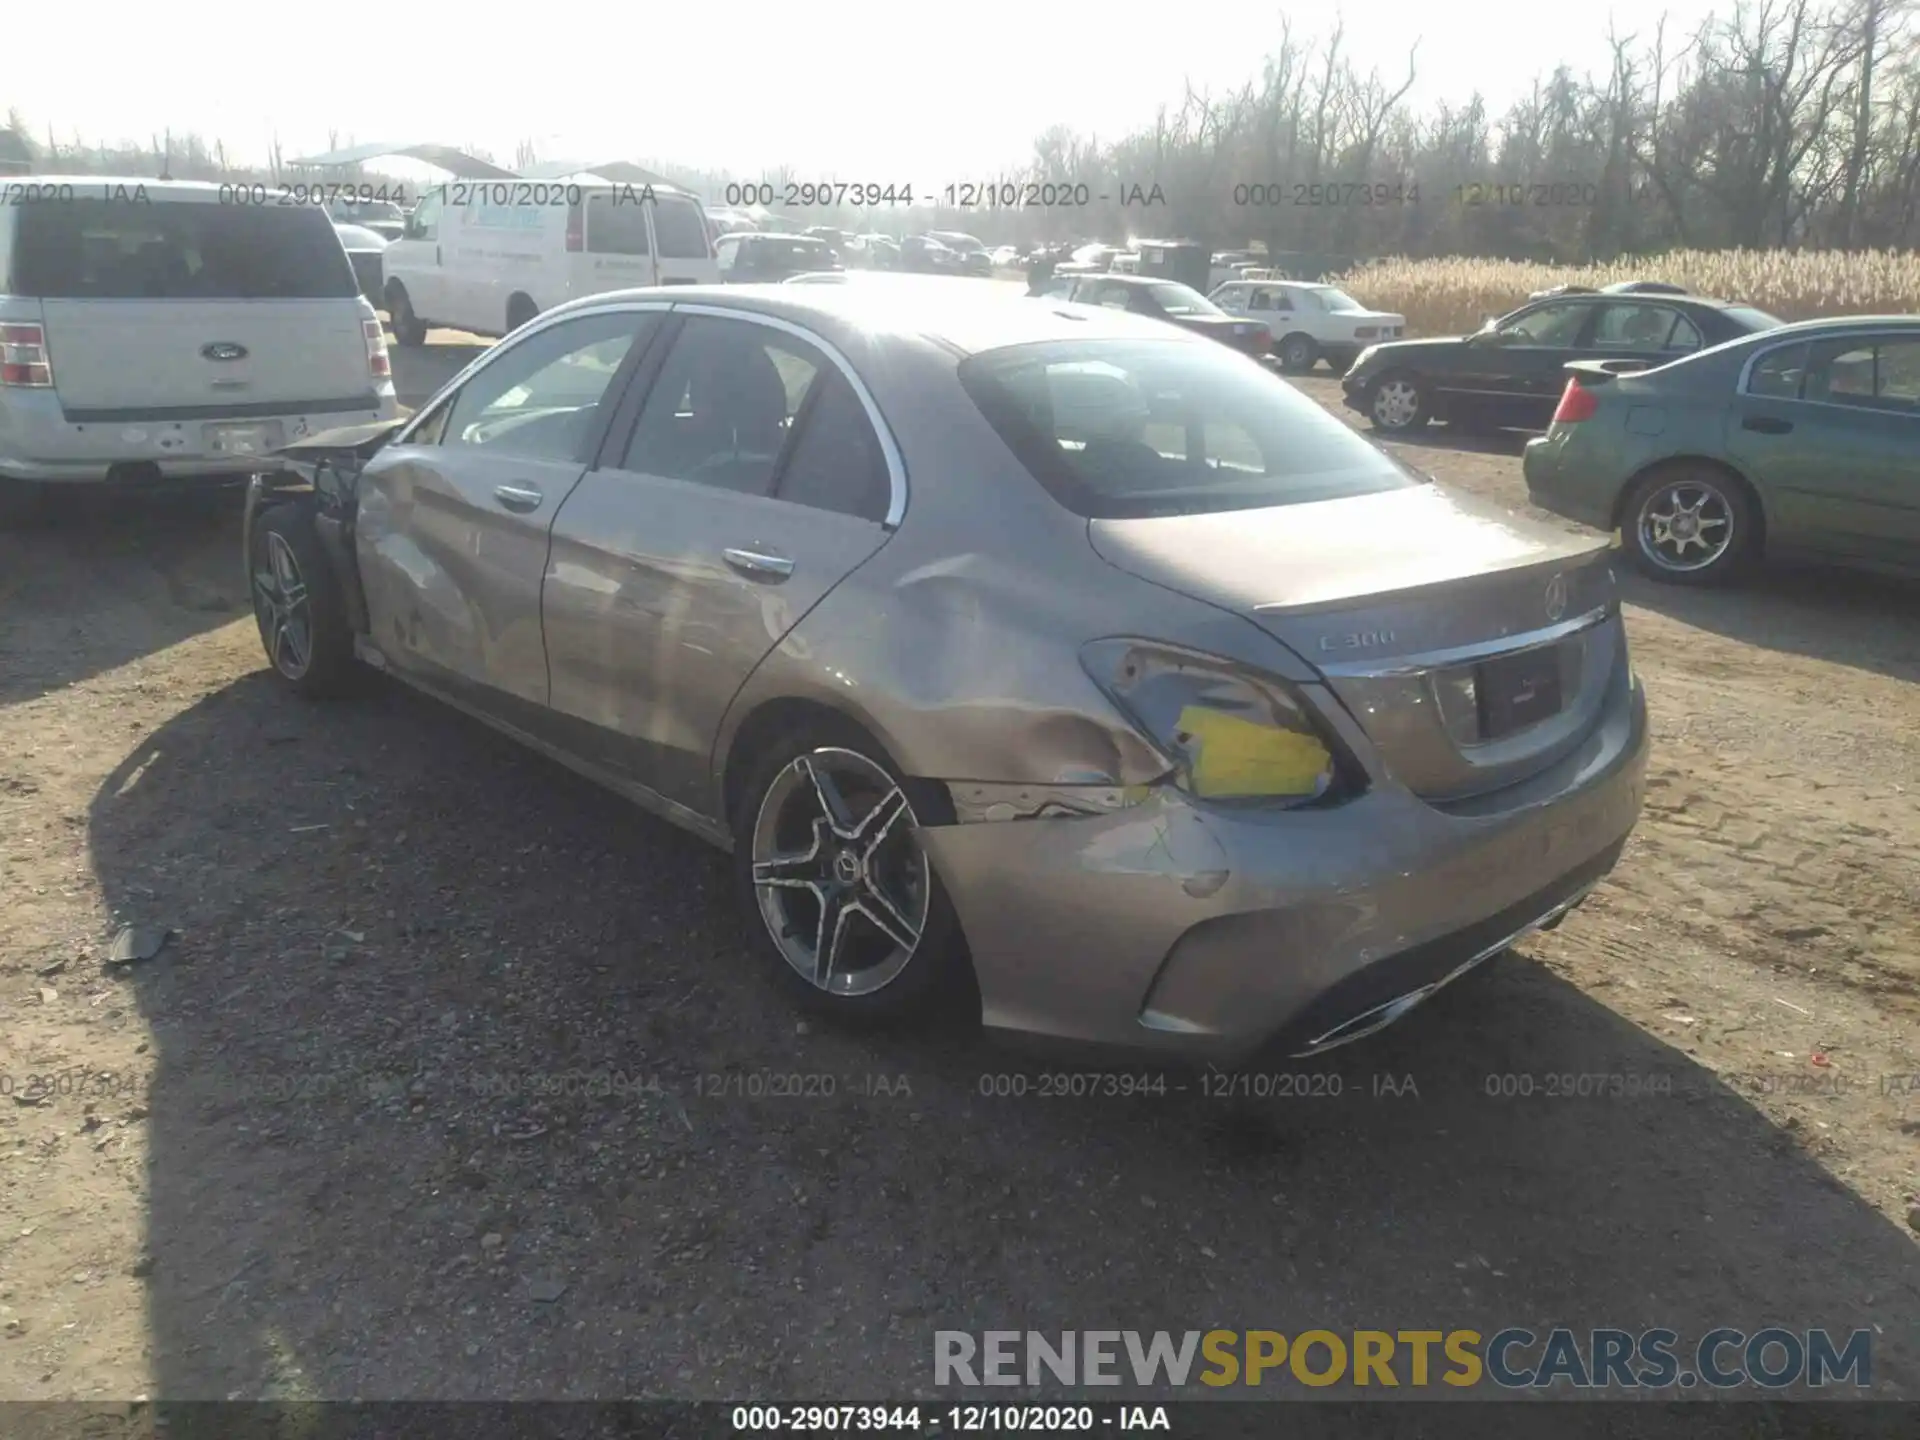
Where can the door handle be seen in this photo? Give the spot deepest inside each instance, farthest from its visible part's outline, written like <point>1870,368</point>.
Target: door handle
<point>1766,425</point>
<point>518,498</point>
<point>758,565</point>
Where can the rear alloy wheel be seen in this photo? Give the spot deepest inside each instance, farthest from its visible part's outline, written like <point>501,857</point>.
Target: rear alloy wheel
<point>1398,404</point>
<point>408,328</point>
<point>834,874</point>
<point>1298,353</point>
<point>1689,526</point>
<point>302,621</point>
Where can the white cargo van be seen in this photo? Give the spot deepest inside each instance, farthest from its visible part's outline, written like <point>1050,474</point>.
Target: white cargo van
<point>158,330</point>
<point>486,256</point>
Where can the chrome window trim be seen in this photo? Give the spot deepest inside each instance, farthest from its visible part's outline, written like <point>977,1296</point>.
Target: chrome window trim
<point>1810,339</point>
<point>896,464</point>
<point>493,352</point>
<point>1467,654</point>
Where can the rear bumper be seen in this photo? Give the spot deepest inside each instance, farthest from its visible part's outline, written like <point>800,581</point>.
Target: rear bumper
<point>1198,933</point>
<point>40,442</point>
<point>1553,485</point>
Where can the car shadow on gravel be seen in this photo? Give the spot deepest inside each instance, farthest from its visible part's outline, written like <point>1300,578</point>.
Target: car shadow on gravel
<point>1870,622</point>
<point>98,578</point>
<point>464,1087</point>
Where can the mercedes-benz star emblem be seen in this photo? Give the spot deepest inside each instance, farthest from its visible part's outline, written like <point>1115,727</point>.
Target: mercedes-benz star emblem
<point>1556,597</point>
<point>224,350</point>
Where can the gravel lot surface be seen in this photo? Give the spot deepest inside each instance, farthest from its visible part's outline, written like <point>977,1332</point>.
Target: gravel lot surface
<point>326,1144</point>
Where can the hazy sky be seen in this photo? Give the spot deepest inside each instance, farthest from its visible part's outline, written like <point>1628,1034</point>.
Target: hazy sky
<point>920,91</point>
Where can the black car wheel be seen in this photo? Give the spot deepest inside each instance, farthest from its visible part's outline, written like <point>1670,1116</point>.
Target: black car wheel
<point>520,309</point>
<point>1689,525</point>
<point>1397,403</point>
<point>408,328</point>
<point>298,606</point>
<point>832,875</point>
<point>1298,353</point>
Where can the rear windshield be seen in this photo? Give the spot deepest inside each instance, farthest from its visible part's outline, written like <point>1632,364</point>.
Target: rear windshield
<point>1182,300</point>
<point>787,249</point>
<point>680,229</point>
<point>179,250</point>
<point>1129,429</point>
<point>1748,318</point>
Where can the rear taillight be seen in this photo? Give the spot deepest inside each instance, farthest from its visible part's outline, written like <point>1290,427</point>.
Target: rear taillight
<point>1576,404</point>
<point>576,228</point>
<point>379,363</point>
<point>23,357</point>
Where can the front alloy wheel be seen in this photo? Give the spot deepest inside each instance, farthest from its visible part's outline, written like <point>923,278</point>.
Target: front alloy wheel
<point>838,877</point>
<point>1398,404</point>
<point>281,606</point>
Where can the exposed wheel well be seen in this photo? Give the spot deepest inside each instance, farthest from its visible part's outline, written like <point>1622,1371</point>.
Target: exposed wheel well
<point>1696,462</point>
<point>1299,335</point>
<point>931,800</point>
<point>393,288</point>
<point>521,304</point>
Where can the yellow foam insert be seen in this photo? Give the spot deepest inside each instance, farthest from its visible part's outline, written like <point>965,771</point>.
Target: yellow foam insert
<point>1240,757</point>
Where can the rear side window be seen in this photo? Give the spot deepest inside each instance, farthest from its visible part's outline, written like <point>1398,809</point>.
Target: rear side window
<point>1126,429</point>
<point>679,228</point>
<point>181,250</point>
<point>836,462</point>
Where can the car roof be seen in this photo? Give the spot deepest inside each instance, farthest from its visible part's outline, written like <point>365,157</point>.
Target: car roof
<point>1122,277</point>
<point>950,311</point>
<point>1826,323</point>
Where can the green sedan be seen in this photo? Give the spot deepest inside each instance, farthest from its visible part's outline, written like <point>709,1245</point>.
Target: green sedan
<point>1799,442</point>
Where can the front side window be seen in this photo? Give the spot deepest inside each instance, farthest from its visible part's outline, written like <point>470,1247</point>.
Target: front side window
<point>1871,374</point>
<point>1138,428</point>
<point>425,222</point>
<point>723,405</point>
<point>1557,326</point>
<point>541,396</point>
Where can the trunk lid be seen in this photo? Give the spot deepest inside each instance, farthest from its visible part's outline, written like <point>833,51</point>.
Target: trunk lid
<point>1472,645</point>
<point>152,354</point>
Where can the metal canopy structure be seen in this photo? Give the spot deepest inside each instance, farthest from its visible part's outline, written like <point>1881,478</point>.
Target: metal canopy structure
<point>612,172</point>
<point>449,158</point>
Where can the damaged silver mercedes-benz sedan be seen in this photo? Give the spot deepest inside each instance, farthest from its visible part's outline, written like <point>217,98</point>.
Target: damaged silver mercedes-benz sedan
<point>1011,645</point>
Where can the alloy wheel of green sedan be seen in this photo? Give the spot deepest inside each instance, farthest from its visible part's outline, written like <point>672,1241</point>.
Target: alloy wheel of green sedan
<point>1686,525</point>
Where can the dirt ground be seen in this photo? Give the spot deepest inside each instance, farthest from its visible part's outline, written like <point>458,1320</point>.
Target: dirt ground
<point>456,1082</point>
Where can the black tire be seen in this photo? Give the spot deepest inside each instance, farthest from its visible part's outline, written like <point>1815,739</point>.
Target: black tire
<point>1726,524</point>
<point>520,310</point>
<point>323,667</point>
<point>408,328</point>
<point>23,504</point>
<point>934,978</point>
<point>1298,354</point>
<point>1398,419</point>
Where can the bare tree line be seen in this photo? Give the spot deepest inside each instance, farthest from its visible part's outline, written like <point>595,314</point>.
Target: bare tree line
<point>1782,124</point>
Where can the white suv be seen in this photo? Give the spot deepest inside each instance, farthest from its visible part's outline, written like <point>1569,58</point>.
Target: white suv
<point>156,330</point>
<point>1308,321</point>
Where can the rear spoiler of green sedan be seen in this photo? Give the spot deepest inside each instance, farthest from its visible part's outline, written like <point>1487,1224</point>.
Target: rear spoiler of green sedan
<point>1594,373</point>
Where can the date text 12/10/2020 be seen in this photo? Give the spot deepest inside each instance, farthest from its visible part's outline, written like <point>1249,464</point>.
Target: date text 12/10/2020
<point>962,195</point>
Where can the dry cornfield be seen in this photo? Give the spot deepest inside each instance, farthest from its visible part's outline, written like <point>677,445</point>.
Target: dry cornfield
<point>1456,294</point>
